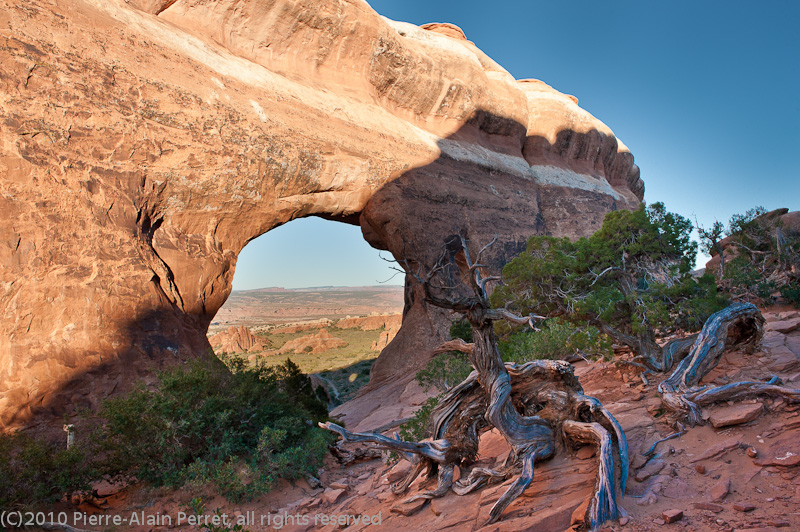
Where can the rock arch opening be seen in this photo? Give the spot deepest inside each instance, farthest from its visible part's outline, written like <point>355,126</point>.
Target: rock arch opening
<point>313,291</point>
<point>312,252</point>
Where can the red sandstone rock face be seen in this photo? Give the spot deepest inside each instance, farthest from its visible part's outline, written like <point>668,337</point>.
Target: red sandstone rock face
<point>144,143</point>
<point>237,340</point>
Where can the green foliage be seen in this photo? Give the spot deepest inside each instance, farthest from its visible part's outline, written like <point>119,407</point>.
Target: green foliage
<point>791,292</point>
<point>240,430</point>
<point>710,238</point>
<point>35,471</point>
<point>448,369</point>
<point>444,371</point>
<point>743,223</point>
<point>557,339</point>
<point>419,426</point>
<point>461,330</point>
<point>766,258</point>
<point>201,424</point>
<point>632,277</point>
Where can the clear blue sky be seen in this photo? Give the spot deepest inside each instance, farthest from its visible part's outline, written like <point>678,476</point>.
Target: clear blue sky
<point>705,94</point>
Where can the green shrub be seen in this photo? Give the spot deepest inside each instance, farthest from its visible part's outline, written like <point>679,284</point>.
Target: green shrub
<point>791,292</point>
<point>240,430</point>
<point>203,423</point>
<point>461,330</point>
<point>556,339</point>
<point>35,471</point>
<point>444,371</point>
<point>632,279</point>
<point>448,369</point>
<point>418,427</point>
<point>762,258</point>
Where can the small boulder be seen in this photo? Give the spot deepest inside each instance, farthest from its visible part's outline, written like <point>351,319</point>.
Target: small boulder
<point>409,508</point>
<point>579,514</point>
<point>332,495</point>
<point>670,516</point>
<point>735,415</point>
<point>784,326</point>
<point>711,507</point>
<point>399,471</point>
<point>105,488</point>
<point>653,467</point>
<point>340,484</point>
<point>720,490</point>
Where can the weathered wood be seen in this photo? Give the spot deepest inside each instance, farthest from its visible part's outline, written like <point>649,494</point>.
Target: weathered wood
<point>533,406</point>
<point>740,326</point>
<point>434,450</point>
<point>455,345</point>
<point>648,353</point>
<point>603,506</point>
<point>546,387</point>
<point>738,391</point>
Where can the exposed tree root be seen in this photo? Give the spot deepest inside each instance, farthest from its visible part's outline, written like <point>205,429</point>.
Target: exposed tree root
<point>651,356</point>
<point>548,398</point>
<point>740,325</point>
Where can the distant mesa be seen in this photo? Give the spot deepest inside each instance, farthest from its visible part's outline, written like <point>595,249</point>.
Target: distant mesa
<point>313,344</point>
<point>372,322</point>
<point>300,327</point>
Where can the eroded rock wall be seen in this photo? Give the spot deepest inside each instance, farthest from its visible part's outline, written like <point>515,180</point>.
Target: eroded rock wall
<point>144,143</point>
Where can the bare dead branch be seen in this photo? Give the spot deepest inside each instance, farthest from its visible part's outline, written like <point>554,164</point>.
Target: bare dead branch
<point>455,345</point>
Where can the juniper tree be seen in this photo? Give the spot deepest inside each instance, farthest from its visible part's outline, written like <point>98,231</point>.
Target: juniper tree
<point>631,279</point>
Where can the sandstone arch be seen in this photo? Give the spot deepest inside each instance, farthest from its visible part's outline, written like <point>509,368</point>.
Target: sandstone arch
<point>143,144</point>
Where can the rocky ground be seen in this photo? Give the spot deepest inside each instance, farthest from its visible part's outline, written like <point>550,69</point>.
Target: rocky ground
<point>740,472</point>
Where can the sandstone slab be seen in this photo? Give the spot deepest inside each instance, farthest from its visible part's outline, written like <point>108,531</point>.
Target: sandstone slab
<point>783,359</point>
<point>711,507</point>
<point>332,495</point>
<point>720,490</point>
<point>653,467</point>
<point>735,415</point>
<point>784,326</point>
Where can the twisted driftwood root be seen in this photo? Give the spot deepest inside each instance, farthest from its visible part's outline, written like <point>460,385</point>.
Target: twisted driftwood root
<point>527,404</point>
<point>546,408</point>
<point>740,325</point>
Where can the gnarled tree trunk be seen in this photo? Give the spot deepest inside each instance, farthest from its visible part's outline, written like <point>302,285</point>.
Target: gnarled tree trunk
<point>534,406</point>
